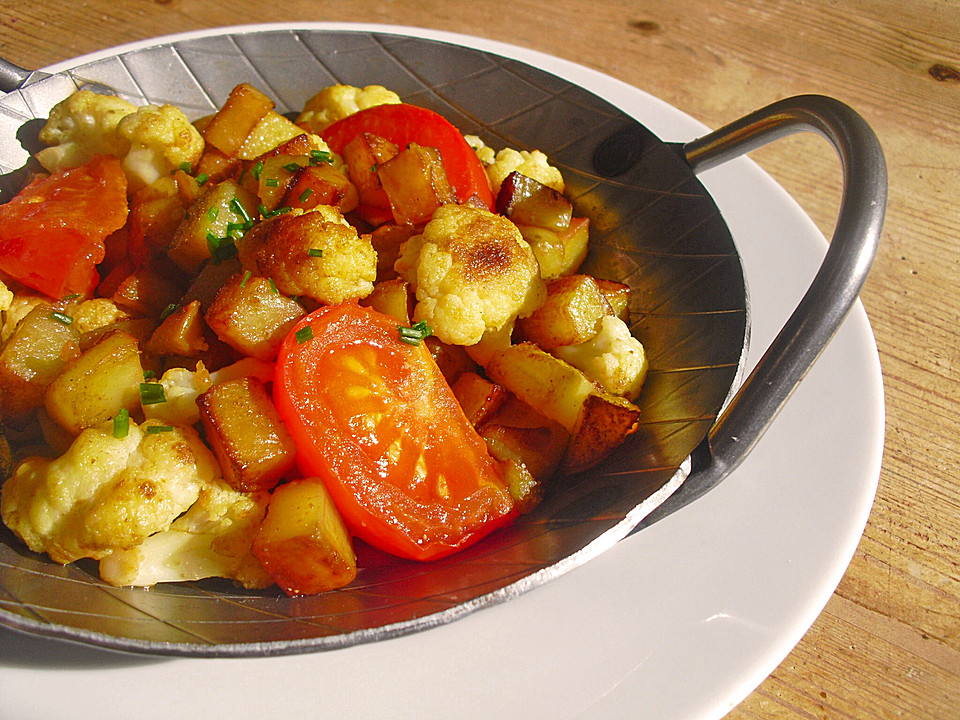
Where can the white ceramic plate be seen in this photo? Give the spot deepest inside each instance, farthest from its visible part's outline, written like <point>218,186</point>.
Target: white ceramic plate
<point>681,620</point>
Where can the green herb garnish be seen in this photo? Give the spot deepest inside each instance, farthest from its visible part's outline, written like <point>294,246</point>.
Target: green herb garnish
<point>151,393</point>
<point>303,335</point>
<point>414,334</point>
<point>121,424</point>
<point>152,429</point>
<point>315,252</point>
<point>61,317</point>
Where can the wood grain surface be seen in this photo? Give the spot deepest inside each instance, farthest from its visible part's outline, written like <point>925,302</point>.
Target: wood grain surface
<point>888,643</point>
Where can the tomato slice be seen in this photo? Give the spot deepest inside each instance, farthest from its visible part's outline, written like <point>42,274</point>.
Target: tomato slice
<point>403,124</point>
<point>374,418</point>
<point>52,231</point>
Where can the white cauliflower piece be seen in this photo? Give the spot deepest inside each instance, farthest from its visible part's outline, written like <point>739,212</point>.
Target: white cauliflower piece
<point>151,141</point>
<point>533,164</point>
<point>97,313</point>
<point>106,493</point>
<point>6,297</point>
<point>613,358</point>
<point>317,254</point>
<point>161,140</point>
<point>81,126</point>
<point>473,272</point>
<point>486,154</point>
<point>337,101</point>
<point>211,539</point>
<point>181,388</point>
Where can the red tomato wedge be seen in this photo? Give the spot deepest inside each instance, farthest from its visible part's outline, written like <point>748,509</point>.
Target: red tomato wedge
<point>403,124</point>
<point>374,418</point>
<point>52,232</point>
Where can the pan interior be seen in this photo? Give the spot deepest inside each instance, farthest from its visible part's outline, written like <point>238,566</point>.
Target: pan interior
<point>653,226</point>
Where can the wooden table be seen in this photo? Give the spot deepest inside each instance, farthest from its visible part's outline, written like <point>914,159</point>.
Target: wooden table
<point>888,643</point>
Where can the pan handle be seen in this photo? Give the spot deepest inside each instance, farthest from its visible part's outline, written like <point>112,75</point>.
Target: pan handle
<point>12,76</point>
<point>829,297</point>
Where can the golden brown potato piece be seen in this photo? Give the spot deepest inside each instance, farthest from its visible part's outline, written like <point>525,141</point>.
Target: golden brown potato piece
<point>559,253</point>
<point>570,315</point>
<point>552,387</point>
<point>387,240</point>
<point>478,397</point>
<point>321,184</point>
<point>302,542</point>
<point>415,183</point>
<point>453,360</point>
<point>618,295</point>
<point>229,128</point>
<point>148,290</point>
<point>35,354</point>
<point>604,424</point>
<point>208,230</point>
<point>246,434</point>
<point>363,156</point>
<point>180,333</point>
<point>515,431</point>
<point>393,298</point>
<point>95,386</point>
<point>271,131</point>
<point>251,316</point>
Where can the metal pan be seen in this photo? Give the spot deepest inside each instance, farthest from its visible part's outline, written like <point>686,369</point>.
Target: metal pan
<point>653,225</point>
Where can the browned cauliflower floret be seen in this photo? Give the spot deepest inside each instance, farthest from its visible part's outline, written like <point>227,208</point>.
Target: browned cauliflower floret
<point>499,164</point>
<point>211,539</point>
<point>613,358</point>
<point>106,493</point>
<point>316,254</point>
<point>161,139</point>
<point>81,126</point>
<point>337,101</point>
<point>473,272</point>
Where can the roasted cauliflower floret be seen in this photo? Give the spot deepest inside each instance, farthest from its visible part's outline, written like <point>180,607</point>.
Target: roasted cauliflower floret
<point>181,388</point>
<point>316,254</point>
<point>97,313</point>
<point>473,272</point>
<point>106,493</point>
<point>151,140</point>
<point>613,358</point>
<point>533,164</point>
<point>211,539</point>
<point>337,101</point>
<point>81,126</point>
<point>161,140</point>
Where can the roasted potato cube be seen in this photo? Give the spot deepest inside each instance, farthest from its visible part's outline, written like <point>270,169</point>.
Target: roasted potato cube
<point>209,281</point>
<point>526,490</point>
<point>559,253</point>
<point>229,128</point>
<point>153,219</point>
<point>275,174</point>
<point>387,240</point>
<point>363,156</point>
<point>618,295</point>
<point>217,166</point>
<point>478,397</point>
<point>249,315</point>
<point>603,425</point>
<point>271,131</point>
<point>35,354</point>
<point>549,385</point>
<point>571,314</point>
<point>321,185</point>
<point>95,386</point>
<point>453,360</point>
<point>303,542</point>
<point>180,333</point>
<point>246,434</point>
<point>416,184</point>
<point>393,298</point>
<point>207,230</point>
<point>515,431</point>
<point>529,202</point>
<point>147,291</point>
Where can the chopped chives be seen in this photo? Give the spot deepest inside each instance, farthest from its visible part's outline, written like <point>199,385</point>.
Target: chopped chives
<point>246,276</point>
<point>305,194</point>
<point>151,429</point>
<point>121,424</point>
<point>71,296</point>
<point>61,317</point>
<point>315,252</point>
<point>292,167</point>
<point>303,335</point>
<point>151,393</point>
<point>273,287</point>
<point>414,334</point>
<point>320,156</point>
<point>168,311</point>
<point>239,209</point>
<point>212,213</point>
<point>147,374</point>
<point>185,166</point>
<point>257,169</point>
<point>271,182</point>
<point>202,179</point>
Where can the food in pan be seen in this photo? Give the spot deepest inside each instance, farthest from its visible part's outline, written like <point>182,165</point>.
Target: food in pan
<point>235,347</point>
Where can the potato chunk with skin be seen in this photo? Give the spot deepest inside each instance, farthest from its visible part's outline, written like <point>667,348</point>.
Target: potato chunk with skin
<point>246,434</point>
<point>316,254</point>
<point>95,386</point>
<point>251,316</point>
<point>571,313</point>
<point>472,271</point>
<point>303,542</point>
